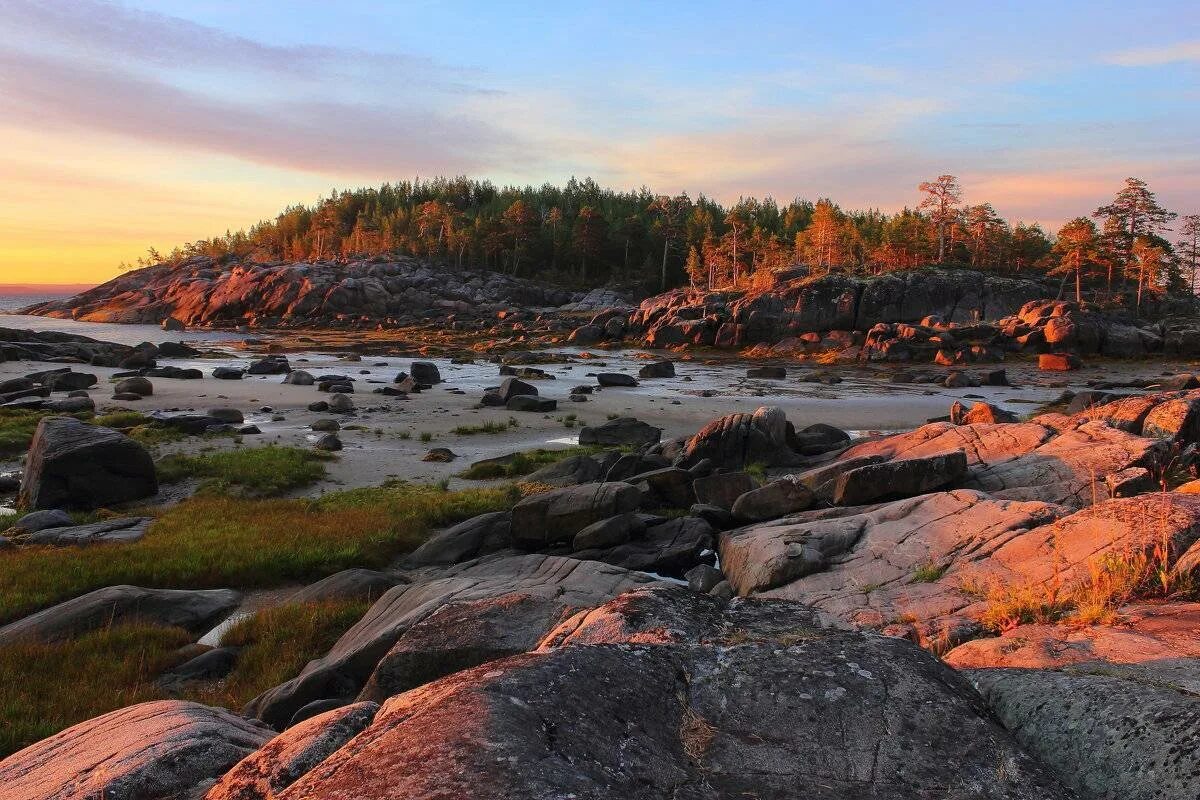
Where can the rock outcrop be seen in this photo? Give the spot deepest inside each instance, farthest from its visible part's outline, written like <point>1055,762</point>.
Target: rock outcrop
<point>203,292</point>
<point>162,749</point>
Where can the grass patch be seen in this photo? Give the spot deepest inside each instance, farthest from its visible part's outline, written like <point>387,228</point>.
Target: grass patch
<point>524,463</point>
<point>17,426</point>
<point>491,426</point>
<point>217,541</point>
<point>45,688</point>
<point>928,573</point>
<point>758,471</point>
<point>277,643</point>
<point>251,472</point>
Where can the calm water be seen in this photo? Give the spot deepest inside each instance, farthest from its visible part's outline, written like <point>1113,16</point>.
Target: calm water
<point>121,334</point>
<point>11,302</point>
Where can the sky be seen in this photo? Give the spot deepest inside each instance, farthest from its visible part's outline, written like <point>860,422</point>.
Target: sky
<point>152,123</point>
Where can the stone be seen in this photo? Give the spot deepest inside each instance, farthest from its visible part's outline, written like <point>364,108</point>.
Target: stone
<point>425,372</point>
<point>776,499</point>
<point>898,478</point>
<point>657,369</point>
<point>355,583</point>
<point>318,406</point>
<point>1124,735</point>
<point>121,529</point>
<point>270,365</point>
<point>228,373</point>
<point>74,465</point>
<point>1176,420</point>
<point>329,443</point>
<point>40,520</point>
<point>138,386</point>
<point>569,585</point>
<point>477,536</point>
<point>557,515</point>
<point>440,455</point>
<point>609,532</point>
<point>325,425</point>
<point>227,416</point>
<point>71,381</point>
<point>703,578</point>
<point>669,548</point>
<point>668,486</point>
<point>523,402</point>
<point>510,388</point>
<point>615,379</point>
<point>739,440</point>
<point>647,696</point>
<point>1027,460</point>
<point>267,772</point>
<point>819,438</point>
<point>570,471</point>
<point>211,665</point>
<point>195,610</point>
<point>620,431</point>
<point>722,489</point>
<point>299,377</point>
<point>341,404</point>
<point>173,324</point>
<point>160,749</point>
<point>768,373</point>
<point>1059,362</point>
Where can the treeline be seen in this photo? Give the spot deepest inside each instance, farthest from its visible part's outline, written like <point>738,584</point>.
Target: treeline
<point>584,234</point>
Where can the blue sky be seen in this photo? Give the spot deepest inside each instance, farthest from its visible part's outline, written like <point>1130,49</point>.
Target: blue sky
<point>162,121</point>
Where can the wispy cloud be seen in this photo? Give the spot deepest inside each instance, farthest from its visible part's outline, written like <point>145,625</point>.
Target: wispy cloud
<point>1157,56</point>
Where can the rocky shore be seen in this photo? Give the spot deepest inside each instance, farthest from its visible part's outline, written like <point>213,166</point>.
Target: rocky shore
<point>989,605</point>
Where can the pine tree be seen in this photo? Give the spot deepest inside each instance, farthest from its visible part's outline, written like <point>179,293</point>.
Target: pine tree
<point>943,196</point>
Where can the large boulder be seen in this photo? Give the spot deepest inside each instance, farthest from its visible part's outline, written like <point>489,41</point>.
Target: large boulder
<point>1027,461</point>
<point>75,465</point>
<point>342,672</point>
<point>620,431</point>
<point>477,536</point>
<point>902,477</point>
<point>739,440</point>
<point>556,516</point>
<point>162,749</point>
<point>262,775</point>
<point>664,696</point>
<point>195,610</point>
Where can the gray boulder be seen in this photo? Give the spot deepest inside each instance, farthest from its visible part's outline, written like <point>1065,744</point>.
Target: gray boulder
<point>195,610</point>
<point>620,431</point>
<point>478,536</point>
<point>425,372</point>
<point>558,515</point>
<point>738,440</point>
<point>777,499</point>
<point>39,520</point>
<point>139,386</point>
<point>75,465</point>
<point>899,478</point>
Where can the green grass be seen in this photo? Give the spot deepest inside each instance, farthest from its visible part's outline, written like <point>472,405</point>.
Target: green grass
<point>17,426</point>
<point>47,687</point>
<point>277,643</point>
<point>758,471</point>
<point>426,436</point>
<point>217,541</point>
<point>248,472</point>
<point>928,573</point>
<point>487,427</point>
<point>525,463</point>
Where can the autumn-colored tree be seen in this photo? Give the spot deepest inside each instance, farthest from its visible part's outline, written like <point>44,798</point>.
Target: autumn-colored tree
<point>1076,251</point>
<point>694,266</point>
<point>520,223</point>
<point>590,232</point>
<point>1151,260</point>
<point>941,202</point>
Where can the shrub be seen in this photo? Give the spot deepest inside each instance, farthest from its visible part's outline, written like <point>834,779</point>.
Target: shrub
<point>250,472</point>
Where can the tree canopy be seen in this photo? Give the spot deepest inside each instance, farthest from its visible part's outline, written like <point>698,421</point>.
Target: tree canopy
<point>584,234</point>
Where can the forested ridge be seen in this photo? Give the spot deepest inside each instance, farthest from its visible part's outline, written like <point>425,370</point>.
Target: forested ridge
<point>584,234</point>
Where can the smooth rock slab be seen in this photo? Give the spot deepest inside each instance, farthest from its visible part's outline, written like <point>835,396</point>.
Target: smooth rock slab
<point>162,749</point>
<point>123,529</point>
<point>293,754</point>
<point>749,700</point>
<point>1116,737</point>
<point>560,514</point>
<point>195,610</point>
